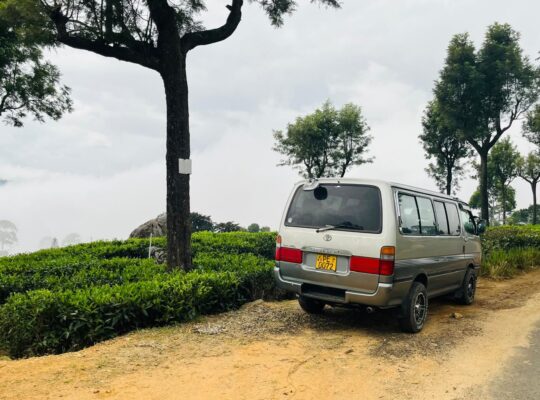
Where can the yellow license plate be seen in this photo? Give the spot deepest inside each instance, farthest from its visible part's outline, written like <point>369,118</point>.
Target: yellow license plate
<point>328,263</point>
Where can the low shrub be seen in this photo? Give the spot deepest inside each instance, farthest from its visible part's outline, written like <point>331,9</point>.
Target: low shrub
<point>42,321</point>
<point>68,273</point>
<point>256,272</point>
<point>261,244</point>
<point>65,299</point>
<point>511,236</point>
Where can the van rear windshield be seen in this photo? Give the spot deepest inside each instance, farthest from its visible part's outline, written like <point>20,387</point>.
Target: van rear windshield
<point>346,207</point>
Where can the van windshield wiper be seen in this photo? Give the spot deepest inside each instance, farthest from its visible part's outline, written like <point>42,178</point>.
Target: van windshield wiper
<point>338,226</point>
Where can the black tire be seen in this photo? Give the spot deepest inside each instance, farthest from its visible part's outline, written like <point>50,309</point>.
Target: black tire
<point>414,309</point>
<point>311,306</point>
<point>465,295</point>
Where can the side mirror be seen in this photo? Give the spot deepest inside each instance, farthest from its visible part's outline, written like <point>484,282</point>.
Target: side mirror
<point>469,228</point>
<point>482,224</point>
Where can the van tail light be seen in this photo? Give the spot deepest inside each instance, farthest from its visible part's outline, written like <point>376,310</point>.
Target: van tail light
<point>364,264</point>
<point>381,266</point>
<point>387,262</point>
<point>288,254</point>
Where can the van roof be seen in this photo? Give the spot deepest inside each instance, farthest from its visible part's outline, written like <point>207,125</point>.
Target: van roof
<point>378,182</point>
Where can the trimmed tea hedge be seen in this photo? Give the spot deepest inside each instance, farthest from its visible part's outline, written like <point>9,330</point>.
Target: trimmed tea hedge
<point>43,321</point>
<point>68,273</point>
<point>65,299</point>
<point>510,237</point>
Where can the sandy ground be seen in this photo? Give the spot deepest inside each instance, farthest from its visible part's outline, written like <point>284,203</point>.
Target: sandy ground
<point>275,351</point>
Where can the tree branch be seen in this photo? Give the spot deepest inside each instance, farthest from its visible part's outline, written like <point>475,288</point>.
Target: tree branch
<point>143,55</point>
<point>194,39</point>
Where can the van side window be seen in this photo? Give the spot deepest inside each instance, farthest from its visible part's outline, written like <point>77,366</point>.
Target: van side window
<point>442,220</point>
<point>427,217</point>
<point>453,219</point>
<point>467,217</point>
<point>410,223</point>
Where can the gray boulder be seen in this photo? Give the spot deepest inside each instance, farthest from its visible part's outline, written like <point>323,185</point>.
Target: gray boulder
<point>154,227</point>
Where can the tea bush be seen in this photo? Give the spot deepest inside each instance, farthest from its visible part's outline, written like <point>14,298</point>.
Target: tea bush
<point>69,273</point>
<point>510,237</point>
<point>64,299</point>
<point>509,250</point>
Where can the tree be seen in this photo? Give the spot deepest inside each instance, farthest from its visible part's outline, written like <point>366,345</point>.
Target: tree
<point>8,234</point>
<point>46,242</point>
<point>504,164</point>
<point>230,226</point>
<point>201,223</point>
<point>265,229</point>
<point>481,94</point>
<point>448,148</point>
<point>326,143</point>
<point>71,239</point>
<point>529,170</point>
<point>531,127</point>
<point>28,85</point>
<point>254,228</point>
<point>523,216</point>
<point>496,204</point>
<point>155,34</point>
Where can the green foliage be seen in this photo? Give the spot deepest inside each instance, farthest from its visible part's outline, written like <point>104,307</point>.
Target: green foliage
<point>482,93</point>
<point>504,164</point>
<point>326,143</point>
<point>509,237</point>
<point>71,273</point>
<point>226,227</point>
<point>508,263</point>
<point>531,127</point>
<point>59,300</point>
<point>254,228</point>
<point>43,321</point>
<point>446,146</point>
<point>28,85</point>
<point>529,171</point>
<point>509,250</point>
<point>201,223</point>
<point>523,216</point>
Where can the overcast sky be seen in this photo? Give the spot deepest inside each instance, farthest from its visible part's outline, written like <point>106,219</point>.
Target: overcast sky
<point>101,172</point>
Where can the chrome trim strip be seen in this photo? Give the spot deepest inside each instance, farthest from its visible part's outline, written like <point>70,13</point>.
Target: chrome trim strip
<point>323,250</point>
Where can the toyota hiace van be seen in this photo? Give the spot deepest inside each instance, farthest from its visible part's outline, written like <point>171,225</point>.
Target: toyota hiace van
<point>377,244</point>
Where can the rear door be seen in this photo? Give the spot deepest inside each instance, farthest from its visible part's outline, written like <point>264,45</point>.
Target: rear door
<point>330,224</point>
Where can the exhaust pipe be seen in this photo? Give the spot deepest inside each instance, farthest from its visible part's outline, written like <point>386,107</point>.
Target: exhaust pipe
<point>370,310</point>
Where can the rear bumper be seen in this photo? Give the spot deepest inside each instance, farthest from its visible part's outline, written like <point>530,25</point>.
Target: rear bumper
<point>386,294</point>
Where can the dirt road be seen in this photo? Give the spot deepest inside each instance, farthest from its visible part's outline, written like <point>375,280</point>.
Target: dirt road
<point>275,351</point>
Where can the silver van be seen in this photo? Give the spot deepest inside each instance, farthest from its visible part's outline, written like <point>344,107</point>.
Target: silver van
<point>377,244</point>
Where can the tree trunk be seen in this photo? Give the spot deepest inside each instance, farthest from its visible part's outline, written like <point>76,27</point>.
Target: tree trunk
<point>484,201</point>
<point>535,220</point>
<point>448,180</point>
<point>178,147</point>
<point>503,189</point>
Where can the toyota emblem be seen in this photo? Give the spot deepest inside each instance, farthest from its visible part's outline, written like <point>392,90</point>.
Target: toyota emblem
<point>327,238</point>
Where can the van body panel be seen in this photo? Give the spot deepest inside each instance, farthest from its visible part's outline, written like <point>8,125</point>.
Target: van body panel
<point>443,260</point>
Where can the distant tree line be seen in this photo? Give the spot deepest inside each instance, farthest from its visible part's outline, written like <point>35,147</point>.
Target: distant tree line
<point>200,223</point>
<point>479,96</point>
